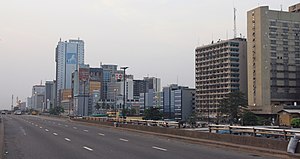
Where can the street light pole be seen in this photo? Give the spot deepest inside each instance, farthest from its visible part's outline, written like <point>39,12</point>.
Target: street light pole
<point>70,97</point>
<point>83,111</point>
<point>124,92</point>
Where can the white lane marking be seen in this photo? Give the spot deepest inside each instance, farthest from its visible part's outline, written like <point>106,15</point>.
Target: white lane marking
<point>74,128</point>
<point>23,131</point>
<point>55,134</point>
<point>46,130</point>
<point>123,139</point>
<point>86,130</point>
<point>87,148</point>
<point>67,139</point>
<point>58,124</point>
<point>66,125</point>
<point>101,134</point>
<point>158,148</point>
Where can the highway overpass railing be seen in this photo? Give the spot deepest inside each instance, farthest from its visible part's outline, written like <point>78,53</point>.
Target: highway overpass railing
<point>254,131</point>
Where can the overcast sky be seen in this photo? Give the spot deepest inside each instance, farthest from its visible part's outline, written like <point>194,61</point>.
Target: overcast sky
<point>152,37</point>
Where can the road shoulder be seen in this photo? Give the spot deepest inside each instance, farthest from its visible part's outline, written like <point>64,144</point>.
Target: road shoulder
<point>1,137</point>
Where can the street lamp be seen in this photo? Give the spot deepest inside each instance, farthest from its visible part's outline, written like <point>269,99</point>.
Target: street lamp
<point>83,111</point>
<point>124,93</point>
<point>69,97</point>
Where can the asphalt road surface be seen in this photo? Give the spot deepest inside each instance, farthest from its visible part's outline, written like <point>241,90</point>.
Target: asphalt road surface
<point>36,137</point>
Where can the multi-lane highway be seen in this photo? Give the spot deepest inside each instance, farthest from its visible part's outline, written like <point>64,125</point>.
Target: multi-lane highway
<point>36,137</point>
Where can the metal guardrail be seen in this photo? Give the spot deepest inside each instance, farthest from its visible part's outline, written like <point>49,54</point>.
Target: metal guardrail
<point>255,131</point>
<point>160,123</point>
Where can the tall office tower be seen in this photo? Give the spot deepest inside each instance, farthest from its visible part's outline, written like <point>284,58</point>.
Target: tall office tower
<point>38,96</point>
<point>50,94</point>
<point>221,68</point>
<point>68,56</point>
<point>140,86</point>
<point>273,59</point>
<point>153,83</point>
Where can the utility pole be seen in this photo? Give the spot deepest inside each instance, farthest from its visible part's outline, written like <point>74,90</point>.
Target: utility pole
<point>124,92</point>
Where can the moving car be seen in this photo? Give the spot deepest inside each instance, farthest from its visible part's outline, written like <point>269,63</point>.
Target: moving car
<point>18,112</point>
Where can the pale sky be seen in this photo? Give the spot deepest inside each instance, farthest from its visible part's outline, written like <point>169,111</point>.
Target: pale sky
<point>152,37</point>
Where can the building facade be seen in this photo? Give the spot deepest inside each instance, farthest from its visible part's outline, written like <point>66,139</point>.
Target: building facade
<point>49,94</point>
<point>69,55</point>
<point>273,59</point>
<point>221,68</point>
<point>178,102</point>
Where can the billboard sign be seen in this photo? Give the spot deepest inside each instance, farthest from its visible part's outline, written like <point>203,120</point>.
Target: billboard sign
<point>71,58</point>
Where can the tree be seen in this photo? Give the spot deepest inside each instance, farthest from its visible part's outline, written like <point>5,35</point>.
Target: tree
<point>233,105</point>
<point>56,110</point>
<point>295,122</point>
<point>192,119</point>
<point>152,114</point>
<point>249,118</point>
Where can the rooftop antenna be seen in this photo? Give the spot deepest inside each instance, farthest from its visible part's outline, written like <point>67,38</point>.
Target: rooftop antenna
<point>234,22</point>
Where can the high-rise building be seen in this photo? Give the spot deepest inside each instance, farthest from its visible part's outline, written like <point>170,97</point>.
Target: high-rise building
<point>221,68</point>
<point>81,91</point>
<point>38,97</point>
<point>69,55</point>
<point>140,86</point>
<point>50,94</point>
<point>273,59</point>
<point>153,83</point>
<point>109,72</point>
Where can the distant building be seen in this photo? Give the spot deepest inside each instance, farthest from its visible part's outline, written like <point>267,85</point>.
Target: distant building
<point>178,102</point>
<point>49,94</point>
<point>109,75</point>
<point>273,59</point>
<point>153,83</point>
<point>140,86</point>
<point>23,106</point>
<point>69,55</point>
<point>295,8</point>
<point>150,99</point>
<point>221,68</point>
<point>81,91</point>
<point>38,97</point>
<point>29,103</point>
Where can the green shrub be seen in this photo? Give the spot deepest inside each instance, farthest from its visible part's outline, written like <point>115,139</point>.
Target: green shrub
<point>295,122</point>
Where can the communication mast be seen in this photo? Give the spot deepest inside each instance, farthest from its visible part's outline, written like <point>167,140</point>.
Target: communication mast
<point>234,22</point>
